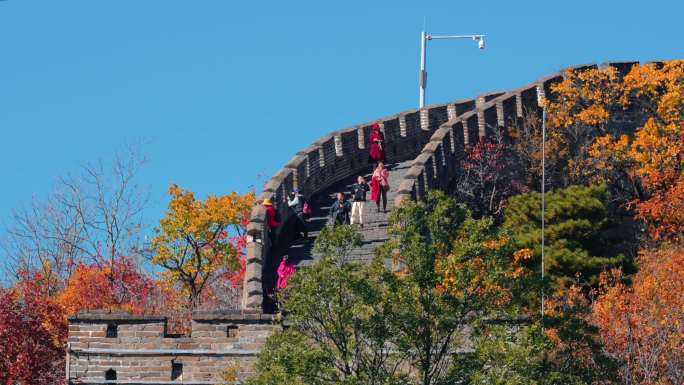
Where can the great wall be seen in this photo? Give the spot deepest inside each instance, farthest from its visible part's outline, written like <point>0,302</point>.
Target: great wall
<point>423,148</point>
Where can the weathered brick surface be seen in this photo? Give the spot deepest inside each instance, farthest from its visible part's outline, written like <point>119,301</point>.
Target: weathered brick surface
<point>142,352</point>
<point>438,163</point>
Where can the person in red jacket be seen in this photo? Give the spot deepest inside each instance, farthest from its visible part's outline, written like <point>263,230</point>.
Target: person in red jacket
<point>271,219</point>
<point>377,150</point>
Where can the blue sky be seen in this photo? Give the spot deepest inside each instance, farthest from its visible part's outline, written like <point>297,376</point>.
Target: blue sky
<point>224,91</point>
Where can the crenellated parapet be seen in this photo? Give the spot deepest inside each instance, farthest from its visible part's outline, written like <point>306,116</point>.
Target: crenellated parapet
<point>438,163</point>
<point>335,156</point>
<point>435,138</point>
<point>105,347</point>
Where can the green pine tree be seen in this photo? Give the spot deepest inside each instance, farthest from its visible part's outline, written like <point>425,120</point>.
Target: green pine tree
<point>581,237</point>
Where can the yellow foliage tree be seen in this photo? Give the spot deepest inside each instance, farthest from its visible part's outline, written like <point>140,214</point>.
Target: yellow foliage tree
<point>195,242</point>
<point>645,166</point>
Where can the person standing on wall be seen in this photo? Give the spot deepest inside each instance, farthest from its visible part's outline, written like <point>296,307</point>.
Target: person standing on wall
<point>296,202</point>
<point>359,191</point>
<point>286,269</point>
<point>339,211</point>
<point>272,220</point>
<point>377,139</point>
<point>380,186</point>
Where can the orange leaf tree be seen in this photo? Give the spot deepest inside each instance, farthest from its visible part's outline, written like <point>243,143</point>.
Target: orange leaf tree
<point>195,242</point>
<point>628,133</point>
<point>116,286</point>
<point>643,325</point>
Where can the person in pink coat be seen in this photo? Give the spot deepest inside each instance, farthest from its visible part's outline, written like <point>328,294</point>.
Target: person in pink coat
<point>377,139</point>
<point>380,186</point>
<point>285,271</point>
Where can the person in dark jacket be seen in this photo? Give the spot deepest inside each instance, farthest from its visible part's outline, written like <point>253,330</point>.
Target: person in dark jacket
<point>296,202</point>
<point>359,191</point>
<point>339,211</point>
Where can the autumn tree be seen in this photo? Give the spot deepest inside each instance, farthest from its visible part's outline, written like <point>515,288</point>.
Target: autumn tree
<point>563,348</point>
<point>450,279</point>
<point>525,137</point>
<point>580,235</point>
<point>489,175</point>
<point>643,325</point>
<point>33,334</point>
<point>91,217</point>
<point>194,243</point>
<point>579,111</point>
<point>115,286</point>
<point>626,132</point>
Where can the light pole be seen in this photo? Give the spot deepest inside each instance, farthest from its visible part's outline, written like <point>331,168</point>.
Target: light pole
<point>424,37</point>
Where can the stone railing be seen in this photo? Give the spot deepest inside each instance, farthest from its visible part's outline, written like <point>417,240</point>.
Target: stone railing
<point>438,164</point>
<point>333,157</point>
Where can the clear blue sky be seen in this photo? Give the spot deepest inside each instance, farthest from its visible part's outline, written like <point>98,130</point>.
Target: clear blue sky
<point>224,91</point>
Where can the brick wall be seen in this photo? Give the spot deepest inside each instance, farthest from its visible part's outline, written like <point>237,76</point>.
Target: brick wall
<point>329,159</point>
<point>139,350</point>
<point>438,163</point>
<point>434,137</point>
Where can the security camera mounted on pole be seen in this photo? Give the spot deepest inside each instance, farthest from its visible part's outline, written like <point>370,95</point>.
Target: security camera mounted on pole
<point>424,37</point>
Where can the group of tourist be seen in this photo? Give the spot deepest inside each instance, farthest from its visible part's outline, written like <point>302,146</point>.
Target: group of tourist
<point>342,211</point>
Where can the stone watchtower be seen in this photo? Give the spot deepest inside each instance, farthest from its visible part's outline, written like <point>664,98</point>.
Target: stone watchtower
<point>120,348</point>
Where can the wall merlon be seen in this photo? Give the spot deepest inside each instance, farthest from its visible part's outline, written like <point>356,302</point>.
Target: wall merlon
<point>578,68</point>
<point>295,161</point>
<point>622,68</point>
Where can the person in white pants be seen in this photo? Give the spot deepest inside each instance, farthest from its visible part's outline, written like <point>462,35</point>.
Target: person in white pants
<point>359,191</point>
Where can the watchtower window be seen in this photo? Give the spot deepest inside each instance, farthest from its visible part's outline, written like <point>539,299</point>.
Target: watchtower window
<point>176,371</point>
<point>231,331</point>
<point>112,331</point>
<point>110,375</point>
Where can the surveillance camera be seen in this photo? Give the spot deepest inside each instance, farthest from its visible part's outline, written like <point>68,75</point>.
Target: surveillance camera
<point>481,43</point>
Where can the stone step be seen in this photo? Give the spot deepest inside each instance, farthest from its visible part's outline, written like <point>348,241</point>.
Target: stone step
<point>375,223</point>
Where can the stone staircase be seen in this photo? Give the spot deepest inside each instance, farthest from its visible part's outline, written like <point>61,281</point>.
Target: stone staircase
<point>375,226</point>
<point>374,231</point>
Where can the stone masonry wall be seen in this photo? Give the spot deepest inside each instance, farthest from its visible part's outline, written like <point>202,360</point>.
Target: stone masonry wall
<point>437,164</point>
<point>329,159</point>
<point>434,137</point>
<point>142,352</point>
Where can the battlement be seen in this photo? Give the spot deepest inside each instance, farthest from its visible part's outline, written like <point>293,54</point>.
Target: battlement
<point>119,348</point>
<point>433,137</point>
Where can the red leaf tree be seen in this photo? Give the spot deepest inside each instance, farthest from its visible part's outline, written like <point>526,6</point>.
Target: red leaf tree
<point>490,174</point>
<point>33,333</point>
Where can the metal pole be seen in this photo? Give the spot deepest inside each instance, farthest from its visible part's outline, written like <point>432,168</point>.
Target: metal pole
<point>424,38</point>
<point>423,73</point>
<point>68,363</point>
<point>543,205</point>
